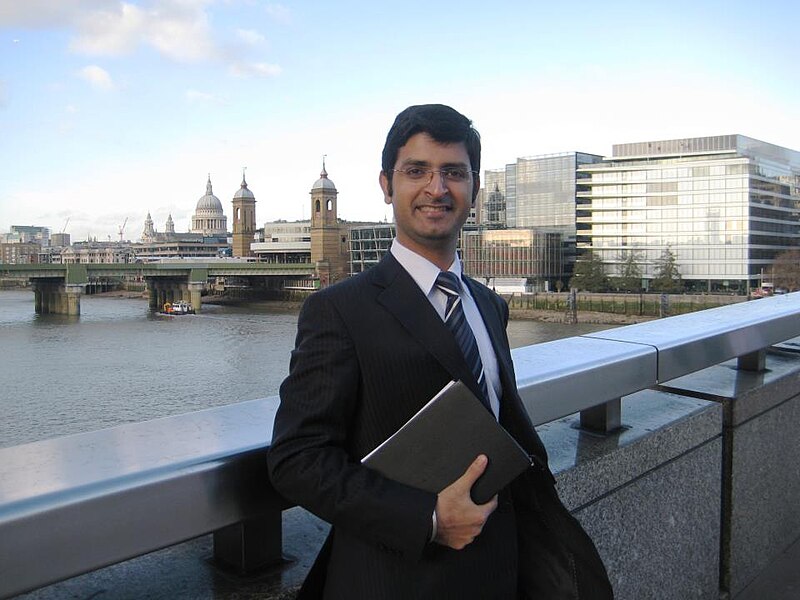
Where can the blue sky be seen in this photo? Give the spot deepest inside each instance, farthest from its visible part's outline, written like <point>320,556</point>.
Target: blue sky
<point>112,109</point>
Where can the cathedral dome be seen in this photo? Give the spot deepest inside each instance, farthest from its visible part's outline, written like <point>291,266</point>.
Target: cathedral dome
<point>209,218</point>
<point>209,201</point>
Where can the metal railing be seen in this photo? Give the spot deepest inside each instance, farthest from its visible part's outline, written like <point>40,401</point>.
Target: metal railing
<point>74,504</point>
<point>77,503</point>
<point>554,377</point>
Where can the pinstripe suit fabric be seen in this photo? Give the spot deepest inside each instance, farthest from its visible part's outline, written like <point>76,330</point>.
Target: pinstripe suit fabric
<point>370,352</point>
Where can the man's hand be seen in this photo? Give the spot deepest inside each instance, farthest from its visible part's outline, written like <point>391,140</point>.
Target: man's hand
<point>458,519</point>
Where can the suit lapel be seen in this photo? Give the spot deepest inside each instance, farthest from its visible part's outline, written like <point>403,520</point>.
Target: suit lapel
<point>495,328</point>
<point>513,415</point>
<point>402,297</point>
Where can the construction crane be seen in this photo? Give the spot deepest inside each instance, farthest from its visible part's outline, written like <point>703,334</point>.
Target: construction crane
<point>64,228</point>
<point>122,228</point>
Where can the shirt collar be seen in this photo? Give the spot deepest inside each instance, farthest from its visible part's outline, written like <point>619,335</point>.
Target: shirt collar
<point>423,271</point>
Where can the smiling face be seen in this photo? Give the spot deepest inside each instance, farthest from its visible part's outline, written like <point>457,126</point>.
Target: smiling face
<point>429,216</point>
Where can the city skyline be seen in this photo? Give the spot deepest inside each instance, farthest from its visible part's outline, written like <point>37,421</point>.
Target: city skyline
<point>111,110</point>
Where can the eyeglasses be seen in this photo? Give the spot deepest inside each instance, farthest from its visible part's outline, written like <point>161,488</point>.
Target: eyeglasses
<point>448,174</point>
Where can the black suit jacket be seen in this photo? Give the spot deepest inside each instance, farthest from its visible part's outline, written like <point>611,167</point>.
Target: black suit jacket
<point>370,352</point>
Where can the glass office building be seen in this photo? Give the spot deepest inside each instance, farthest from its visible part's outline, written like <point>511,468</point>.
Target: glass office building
<point>531,254</point>
<point>544,191</point>
<point>369,244</point>
<point>538,192</point>
<point>725,206</point>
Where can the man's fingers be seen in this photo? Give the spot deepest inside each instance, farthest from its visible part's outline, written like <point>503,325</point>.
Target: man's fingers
<point>475,470</point>
<point>459,519</point>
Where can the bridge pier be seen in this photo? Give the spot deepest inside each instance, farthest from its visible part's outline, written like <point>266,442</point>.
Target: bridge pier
<point>161,290</point>
<point>194,289</point>
<point>54,297</point>
<point>152,296</point>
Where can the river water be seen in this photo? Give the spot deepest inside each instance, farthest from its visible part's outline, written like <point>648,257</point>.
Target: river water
<point>118,363</point>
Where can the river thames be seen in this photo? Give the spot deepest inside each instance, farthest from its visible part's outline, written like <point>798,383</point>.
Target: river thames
<point>119,363</point>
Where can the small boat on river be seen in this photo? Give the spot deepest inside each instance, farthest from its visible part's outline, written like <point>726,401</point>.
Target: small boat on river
<point>179,307</point>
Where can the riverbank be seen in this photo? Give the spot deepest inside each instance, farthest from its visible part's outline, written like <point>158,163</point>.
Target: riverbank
<point>557,316</point>
<point>518,314</point>
<point>121,294</point>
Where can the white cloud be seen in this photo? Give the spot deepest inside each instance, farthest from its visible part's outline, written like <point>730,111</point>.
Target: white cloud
<point>250,37</point>
<point>109,32</point>
<point>279,12</point>
<point>254,69</point>
<point>179,30</point>
<point>196,96</point>
<point>97,77</point>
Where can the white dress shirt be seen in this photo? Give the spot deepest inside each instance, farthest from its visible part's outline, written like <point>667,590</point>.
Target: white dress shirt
<point>425,273</point>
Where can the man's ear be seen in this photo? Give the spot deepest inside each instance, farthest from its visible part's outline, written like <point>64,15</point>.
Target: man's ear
<point>476,187</point>
<point>386,186</point>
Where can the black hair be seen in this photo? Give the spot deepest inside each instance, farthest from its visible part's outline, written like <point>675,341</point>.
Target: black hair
<point>444,124</point>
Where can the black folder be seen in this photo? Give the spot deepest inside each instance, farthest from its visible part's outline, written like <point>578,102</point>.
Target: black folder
<point>437,444</point>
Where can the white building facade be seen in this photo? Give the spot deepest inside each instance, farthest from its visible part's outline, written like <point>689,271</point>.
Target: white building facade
<point>725,206</point>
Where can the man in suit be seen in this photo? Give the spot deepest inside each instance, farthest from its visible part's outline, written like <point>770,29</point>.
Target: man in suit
<point>370,352</point>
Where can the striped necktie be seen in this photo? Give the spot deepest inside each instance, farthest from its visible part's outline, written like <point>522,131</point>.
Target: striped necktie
<point>456,321</point>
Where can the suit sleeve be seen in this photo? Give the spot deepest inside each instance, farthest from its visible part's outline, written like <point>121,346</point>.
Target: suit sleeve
<point>308,460</point>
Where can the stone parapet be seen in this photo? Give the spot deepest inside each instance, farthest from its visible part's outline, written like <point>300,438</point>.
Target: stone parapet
<point>761,461</point>
<point>649,494</point>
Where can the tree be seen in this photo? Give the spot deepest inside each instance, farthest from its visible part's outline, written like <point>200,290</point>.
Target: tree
<point>786,270</point>
<point>630,279</point>
<point>590,274</point>
<point>667,277</point>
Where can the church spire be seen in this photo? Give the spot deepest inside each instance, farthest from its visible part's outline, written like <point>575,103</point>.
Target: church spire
<point>324,173</point>
<point>208,186</point>
<point>244,183</point>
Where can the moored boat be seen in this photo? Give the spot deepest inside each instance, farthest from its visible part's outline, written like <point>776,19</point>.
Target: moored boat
<point>179,307</point>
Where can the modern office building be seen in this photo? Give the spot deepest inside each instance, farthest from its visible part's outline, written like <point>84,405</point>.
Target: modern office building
<point>537,194</point>
<point>27,234</point>
<point>536,191</point>
<point>182,245</point>
<point>369,244</point>
<point>284,242</point>
<point>530,254</point>
<point>725,206</point>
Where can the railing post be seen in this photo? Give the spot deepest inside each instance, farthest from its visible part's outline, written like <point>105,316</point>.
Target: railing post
<point>754,361</point>
<point>252,544</point>
<point>603,418</point>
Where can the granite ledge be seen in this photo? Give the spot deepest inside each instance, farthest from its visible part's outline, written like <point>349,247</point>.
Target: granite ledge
<point>748,393</point>
<point>658,427</point>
